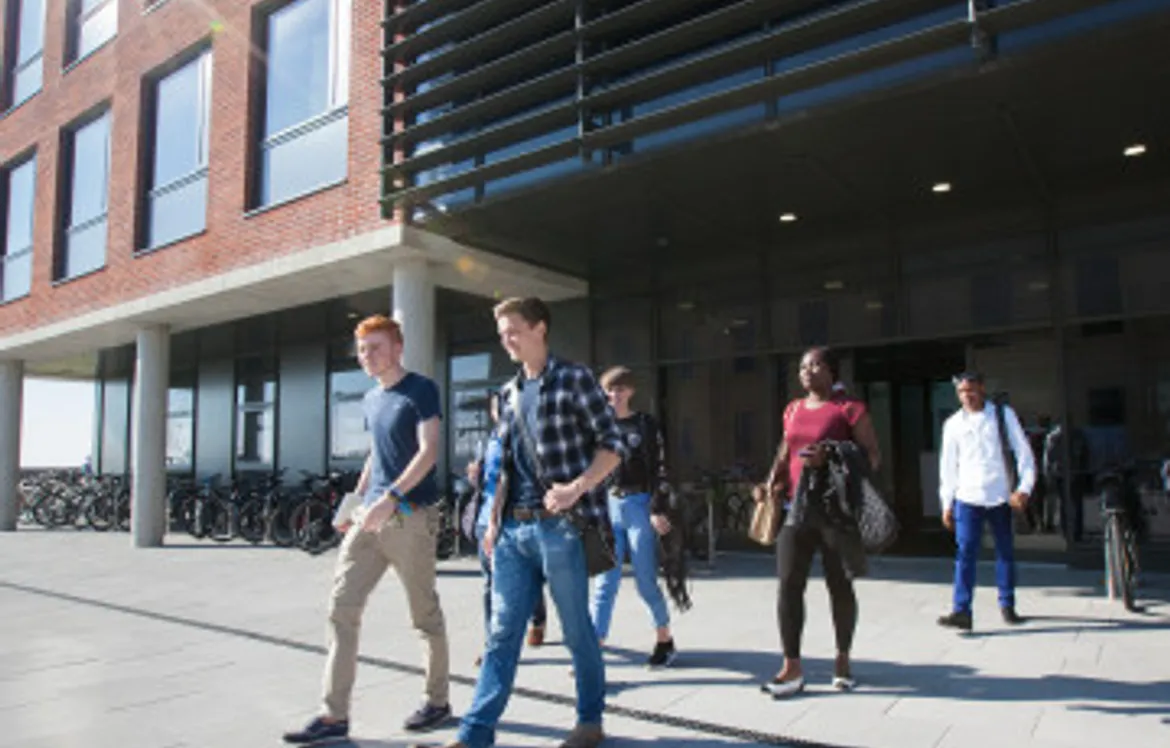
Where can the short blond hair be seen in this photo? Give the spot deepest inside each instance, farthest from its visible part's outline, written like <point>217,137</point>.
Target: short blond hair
<point>617,376</point>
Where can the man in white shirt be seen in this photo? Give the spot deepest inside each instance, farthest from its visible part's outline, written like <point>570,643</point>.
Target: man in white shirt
<point>975,485</point>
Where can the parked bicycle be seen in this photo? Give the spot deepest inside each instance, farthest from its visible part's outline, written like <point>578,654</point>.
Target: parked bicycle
<point>1125,523</point>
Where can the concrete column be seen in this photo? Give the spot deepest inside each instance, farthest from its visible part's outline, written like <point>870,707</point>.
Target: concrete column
<point>414,309</point>
<point>11,397</point>
<point>148,436</point>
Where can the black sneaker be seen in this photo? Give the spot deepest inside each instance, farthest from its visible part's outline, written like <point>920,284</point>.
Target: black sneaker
<point>428,717</point>
<point>956,620</point>
<point>319,732</point>
<point>1011,617</point>
<point>663,655</point>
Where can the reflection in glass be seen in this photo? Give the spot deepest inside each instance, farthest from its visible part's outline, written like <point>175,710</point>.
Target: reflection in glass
<point>312,159</point>
<point>91,170</point>
<point>180,450</point>
<point>85,249</point>
<point>348,436</point>
<point>97,24</point>
<point>16,276</point>
<point>306,118</point>
<point>298,64</point>
<point>178,213</point>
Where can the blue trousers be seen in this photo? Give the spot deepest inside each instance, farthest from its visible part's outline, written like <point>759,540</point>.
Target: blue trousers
<point>527,554</point>
<point>632,533</point>
<point>969,535</point>
<point>539,616</point>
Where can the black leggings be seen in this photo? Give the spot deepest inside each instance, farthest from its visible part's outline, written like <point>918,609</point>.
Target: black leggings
<point>794,553</point>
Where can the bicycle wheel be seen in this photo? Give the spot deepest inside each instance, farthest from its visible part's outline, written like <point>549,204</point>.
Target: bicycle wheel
<point>280,527</point>
<point>99,512</point>
<point>1114,557</point>
<point>122,510</point>
<point>221,525</point>
<point>253,528</point>
<point>313,524</point>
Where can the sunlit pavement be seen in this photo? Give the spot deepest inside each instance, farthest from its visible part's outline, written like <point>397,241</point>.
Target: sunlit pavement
<point>207,645</point>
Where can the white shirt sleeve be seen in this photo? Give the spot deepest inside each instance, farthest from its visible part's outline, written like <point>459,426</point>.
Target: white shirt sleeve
<point>948,467</point>
<point>1025,461</point>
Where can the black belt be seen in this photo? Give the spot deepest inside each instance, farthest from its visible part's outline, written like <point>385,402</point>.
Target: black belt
<point>529,513</point>
<point>623,491</point>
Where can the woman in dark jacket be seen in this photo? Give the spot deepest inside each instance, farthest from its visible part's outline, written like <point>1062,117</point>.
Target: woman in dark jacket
<point>822,415</point>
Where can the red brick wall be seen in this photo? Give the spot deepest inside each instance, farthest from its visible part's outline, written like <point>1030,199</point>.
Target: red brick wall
<point>114,74</point>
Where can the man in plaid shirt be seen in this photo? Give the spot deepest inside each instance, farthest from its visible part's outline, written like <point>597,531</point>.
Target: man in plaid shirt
<point>561,441</point>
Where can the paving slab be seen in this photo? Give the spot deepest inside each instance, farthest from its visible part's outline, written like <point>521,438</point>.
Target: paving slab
<point>105,646</point>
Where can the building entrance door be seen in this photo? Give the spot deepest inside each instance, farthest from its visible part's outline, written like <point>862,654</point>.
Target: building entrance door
<point>909,394</point>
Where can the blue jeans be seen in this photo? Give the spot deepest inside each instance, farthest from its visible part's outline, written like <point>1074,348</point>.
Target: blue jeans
<point>526,553</point>
<point>539,616</point>
<point>632,532</point>
<point>969,536</point>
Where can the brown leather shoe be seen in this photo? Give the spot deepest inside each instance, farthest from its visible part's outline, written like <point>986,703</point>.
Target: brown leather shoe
<point>536,636</point>
<point>584,736</point>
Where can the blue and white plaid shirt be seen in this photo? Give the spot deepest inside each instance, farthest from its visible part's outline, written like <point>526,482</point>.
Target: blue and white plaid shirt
<point>575,420</point>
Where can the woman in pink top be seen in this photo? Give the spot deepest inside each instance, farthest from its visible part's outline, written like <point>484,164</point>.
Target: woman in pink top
<point>821,415</point>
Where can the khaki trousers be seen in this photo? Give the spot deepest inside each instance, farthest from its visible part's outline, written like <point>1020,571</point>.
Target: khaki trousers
<point>363,560</point>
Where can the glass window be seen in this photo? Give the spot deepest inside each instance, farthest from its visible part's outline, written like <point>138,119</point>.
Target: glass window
<point>255,413</point>
<point>19,197</point>
<point>93,23</point>
<point>181,423</point>
<point>348,438</point>
<point>177,198</point>
<point>85,243</point>
<point>27,40</point>
<point>306,116</point>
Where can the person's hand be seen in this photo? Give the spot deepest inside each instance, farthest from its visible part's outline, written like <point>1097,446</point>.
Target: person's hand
<point>815,456</point>
<point>1019,501</point>
<point>473,472</point>
<point>561,496</point>
<point>661,523</point>
<point>948,519</point>
<point>489,539</point>
<point>379,514</point>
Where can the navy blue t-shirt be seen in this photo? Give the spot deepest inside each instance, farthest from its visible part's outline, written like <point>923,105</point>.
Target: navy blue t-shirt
<point>524,487</point>
<point>393,416</point>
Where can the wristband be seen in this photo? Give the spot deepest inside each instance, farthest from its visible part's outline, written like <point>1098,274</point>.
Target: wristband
<point>403,504</point>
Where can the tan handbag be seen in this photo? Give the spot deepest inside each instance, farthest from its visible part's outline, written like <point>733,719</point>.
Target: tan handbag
<point>766,517</point>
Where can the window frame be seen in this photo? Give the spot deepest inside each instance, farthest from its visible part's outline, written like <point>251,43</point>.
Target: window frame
<point>14,46</point>
<point>28,158</point>
<point>202,55</point>
<point>340,61</point>
<point>67,158</point>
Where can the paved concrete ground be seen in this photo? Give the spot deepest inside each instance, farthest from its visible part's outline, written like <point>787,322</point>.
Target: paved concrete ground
<point>102,646</point>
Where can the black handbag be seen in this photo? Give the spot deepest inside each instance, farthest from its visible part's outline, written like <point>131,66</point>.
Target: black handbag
<point>596,533</point>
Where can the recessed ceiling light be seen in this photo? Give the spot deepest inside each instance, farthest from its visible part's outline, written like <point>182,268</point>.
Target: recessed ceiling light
<point>874,306</point>
<point>686,306</point>
<point>787,217</point>
<point>663,241</point>
<point>739,322</point>
<point>352,315</point>
<point>1137,149</point>
<point>1040,285</point>
<point>941,187</point>
<point>834,285</point>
